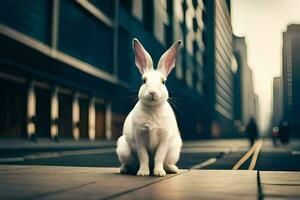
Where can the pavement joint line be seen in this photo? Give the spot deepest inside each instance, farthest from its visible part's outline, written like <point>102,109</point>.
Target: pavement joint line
<point>282,184</point>
<point>142,186</point>
<point>246,156</point>
<point>39,196</point>
<point>255,155</point>
<point>260,194</point>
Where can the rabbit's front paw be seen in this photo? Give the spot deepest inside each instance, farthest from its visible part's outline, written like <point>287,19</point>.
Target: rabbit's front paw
<point>143,172</point>
<point>172,169</point>
<point>159,172</point>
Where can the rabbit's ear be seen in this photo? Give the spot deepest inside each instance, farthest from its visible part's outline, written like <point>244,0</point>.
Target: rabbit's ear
<point>142,58</point>
<point>168,59</point>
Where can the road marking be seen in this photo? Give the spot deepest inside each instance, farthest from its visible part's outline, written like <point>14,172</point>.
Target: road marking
<point>214,159</point>
<point>295,153</point>
<point>245,157</point>
<point>255,155</point>
<point>255,148</point>
<point>204,164</point>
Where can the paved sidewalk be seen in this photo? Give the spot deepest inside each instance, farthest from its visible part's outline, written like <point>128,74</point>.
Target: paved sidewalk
<point>50,182</point>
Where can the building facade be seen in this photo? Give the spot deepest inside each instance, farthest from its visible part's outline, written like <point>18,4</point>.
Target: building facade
<point>277,101</point>
<point>67,67</point>
<point>223,75</point>
<point>246,101</point>
<point>291,76</point>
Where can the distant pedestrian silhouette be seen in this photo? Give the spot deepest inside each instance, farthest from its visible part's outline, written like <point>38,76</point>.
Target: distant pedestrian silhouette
<point>284,132</point>
<point>251,131</point>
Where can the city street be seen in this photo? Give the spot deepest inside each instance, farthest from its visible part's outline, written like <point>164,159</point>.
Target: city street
<point>209,169</point>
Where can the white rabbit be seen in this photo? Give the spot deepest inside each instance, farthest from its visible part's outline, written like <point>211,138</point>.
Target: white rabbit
<point>150,132</point>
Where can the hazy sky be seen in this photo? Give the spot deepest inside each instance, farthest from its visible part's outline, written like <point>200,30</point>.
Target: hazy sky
<point>262,23</point>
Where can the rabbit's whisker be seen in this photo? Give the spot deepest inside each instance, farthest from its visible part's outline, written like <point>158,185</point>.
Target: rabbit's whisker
<point>174,105</point>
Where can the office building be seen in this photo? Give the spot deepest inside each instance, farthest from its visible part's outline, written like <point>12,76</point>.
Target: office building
<point>291,76</point>
<point>246,101</point>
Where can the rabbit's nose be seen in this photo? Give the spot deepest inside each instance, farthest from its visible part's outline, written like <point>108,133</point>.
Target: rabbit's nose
<point>152,93</point>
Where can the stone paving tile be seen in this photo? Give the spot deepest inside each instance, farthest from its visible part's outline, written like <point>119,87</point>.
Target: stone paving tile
<point>280,185</point>
<point>201,184</point>
<point>54,182</point>
<point>50,182</point>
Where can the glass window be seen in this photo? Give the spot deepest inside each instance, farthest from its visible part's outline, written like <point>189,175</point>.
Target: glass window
<point>106,6</point>
<point>161,21</point>
<point>32,17</point>
<point>125,55</point>
<point>148,15</point>
<point>85,37</point>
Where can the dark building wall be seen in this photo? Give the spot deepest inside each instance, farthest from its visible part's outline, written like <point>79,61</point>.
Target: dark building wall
<point>209,60</point>
<point>87,53</point>
<point>64,45</point>
<point>82,49</point>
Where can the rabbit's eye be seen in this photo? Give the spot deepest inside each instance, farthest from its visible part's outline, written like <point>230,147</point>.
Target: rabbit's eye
<point>144,81</point>
<point>163,81</point>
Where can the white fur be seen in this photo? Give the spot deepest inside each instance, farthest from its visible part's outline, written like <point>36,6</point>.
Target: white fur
<point>150,132</point>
